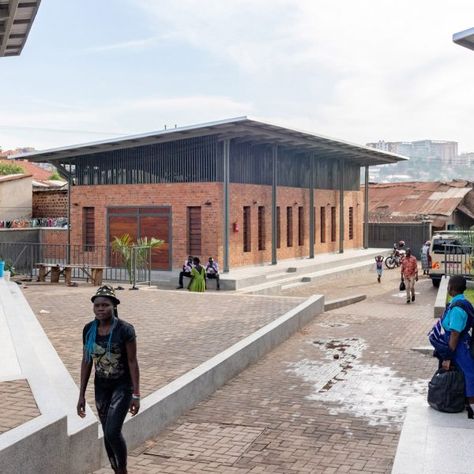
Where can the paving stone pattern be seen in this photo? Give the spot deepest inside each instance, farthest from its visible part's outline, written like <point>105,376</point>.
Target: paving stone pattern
<point>331,399</point>
<point>18,404</point>
<point>176,330</point>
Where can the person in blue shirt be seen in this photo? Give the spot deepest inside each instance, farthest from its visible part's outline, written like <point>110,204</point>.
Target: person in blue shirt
<point>456,321</point>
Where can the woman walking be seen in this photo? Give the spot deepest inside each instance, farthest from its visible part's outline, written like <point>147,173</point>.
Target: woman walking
<point>111,343</point>
<point>425,257</point>
<point>198,277</point>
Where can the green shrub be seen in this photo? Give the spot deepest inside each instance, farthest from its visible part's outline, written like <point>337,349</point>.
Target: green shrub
<point>10,168</point>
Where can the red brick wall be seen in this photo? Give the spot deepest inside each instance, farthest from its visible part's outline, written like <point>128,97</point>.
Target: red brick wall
<point>255,195</point>
<point>50,203</point>
<point>53,236</point>
<point>180,196</point>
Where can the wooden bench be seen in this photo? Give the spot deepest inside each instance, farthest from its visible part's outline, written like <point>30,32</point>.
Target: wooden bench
<point>94,273</point>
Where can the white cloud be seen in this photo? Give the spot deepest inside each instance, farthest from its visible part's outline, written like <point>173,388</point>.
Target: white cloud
<point>33,124</point>
<point>361,70</point>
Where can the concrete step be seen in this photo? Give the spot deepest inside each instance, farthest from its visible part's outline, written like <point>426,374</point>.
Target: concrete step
<point>276,287</point>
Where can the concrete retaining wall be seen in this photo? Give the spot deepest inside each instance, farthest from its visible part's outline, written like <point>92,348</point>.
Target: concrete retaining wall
<point>165,405</point>
<point>59,442</point>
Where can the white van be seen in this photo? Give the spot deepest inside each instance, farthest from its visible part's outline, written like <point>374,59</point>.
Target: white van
<point>450,255</point>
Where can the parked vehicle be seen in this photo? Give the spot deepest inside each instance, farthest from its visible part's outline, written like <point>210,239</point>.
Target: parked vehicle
<point>449,255</point>
<point>395,258</point>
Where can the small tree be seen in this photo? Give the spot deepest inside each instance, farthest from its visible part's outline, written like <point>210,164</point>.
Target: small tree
<point>126,247</point>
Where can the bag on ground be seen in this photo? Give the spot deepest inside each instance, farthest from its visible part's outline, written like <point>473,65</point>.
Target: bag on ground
<point>402,286</point>
<point>446,391</point>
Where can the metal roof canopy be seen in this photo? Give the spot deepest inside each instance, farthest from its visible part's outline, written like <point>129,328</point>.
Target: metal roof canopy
<point>465,38</point>
<point>240,129</point>
<point>16,18</point>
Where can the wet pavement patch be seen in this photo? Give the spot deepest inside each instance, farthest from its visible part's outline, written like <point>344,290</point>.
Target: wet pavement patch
<point>345,385</point>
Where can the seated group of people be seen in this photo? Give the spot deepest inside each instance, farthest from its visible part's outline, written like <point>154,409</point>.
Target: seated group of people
<point>193,269</point>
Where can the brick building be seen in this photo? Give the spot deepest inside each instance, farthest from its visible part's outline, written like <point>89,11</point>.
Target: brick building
<point>243,191</point>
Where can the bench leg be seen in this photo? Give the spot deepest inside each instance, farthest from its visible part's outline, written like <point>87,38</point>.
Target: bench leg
<point>68,275</point>
<point>55,272</point>
<point>42,274</point>
<point>97,274</point>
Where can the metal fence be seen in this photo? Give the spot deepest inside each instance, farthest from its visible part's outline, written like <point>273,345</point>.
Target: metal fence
<point>133,267</point>
<point>458,260</point>
<point>383,235</point>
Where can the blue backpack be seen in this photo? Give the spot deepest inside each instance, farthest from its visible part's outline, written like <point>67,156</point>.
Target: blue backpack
<point>438,337</point>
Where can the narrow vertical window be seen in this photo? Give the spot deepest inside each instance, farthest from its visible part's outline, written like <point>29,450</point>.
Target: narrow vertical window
<point>322,224</point>
<point>351,223</point>
<point>278,227</point>
<point>246,232</point>
<point>194,230</point>
<point>333,224</point>
<point>300,225</point>
<point>88,233</point>
<point>289,227</point>
<point>261,228</point>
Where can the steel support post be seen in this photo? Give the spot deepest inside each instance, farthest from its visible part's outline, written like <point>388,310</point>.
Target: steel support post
<point>274,202</point>
<point>366,208</point>
<point>226,177</point>
<point>341,206</point>
<point>311,208</point>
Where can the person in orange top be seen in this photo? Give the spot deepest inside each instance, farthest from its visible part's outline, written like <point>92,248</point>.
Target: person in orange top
<point>409,274</point>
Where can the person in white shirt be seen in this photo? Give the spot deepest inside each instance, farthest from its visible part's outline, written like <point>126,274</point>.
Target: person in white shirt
<point>186,272</point>
<point>212,272</point>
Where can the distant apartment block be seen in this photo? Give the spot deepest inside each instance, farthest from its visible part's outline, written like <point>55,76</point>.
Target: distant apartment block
<point>441,151</point>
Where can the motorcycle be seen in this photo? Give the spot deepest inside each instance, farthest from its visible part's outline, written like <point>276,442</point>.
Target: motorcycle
<point>395,258</point>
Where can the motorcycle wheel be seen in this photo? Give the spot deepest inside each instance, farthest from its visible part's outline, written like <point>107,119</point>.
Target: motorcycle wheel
<point>390,263</point>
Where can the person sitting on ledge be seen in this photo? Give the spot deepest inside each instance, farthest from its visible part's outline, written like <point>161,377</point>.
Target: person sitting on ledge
<point>186,272</point>
<point>212,272</point>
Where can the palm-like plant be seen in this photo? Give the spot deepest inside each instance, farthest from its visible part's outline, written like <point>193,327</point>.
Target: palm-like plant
<point>130,251</point>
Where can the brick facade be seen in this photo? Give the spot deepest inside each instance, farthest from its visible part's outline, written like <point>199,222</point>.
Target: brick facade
<point>209,196</point>
<point>50,203</point>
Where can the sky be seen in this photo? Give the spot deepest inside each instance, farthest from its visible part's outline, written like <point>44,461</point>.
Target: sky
<point>360,71</point>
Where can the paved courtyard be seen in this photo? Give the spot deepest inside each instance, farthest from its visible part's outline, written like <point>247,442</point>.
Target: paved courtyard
<point>329,400</point>
<point>176,330</point>
<point>18,404</point>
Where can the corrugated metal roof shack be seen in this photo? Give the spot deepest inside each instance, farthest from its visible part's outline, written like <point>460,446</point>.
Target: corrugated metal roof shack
<point>412,211</point>
<point>243,191</point>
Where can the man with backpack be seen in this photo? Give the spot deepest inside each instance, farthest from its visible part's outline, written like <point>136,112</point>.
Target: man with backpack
<point>451,339</point>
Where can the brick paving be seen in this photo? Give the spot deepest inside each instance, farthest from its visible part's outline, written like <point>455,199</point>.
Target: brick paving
<point>18,404</point>
<point>176,330</point>
<point>331,399</point>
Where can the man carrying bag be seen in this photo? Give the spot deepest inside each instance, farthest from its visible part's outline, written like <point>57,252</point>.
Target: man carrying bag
<point>452,341</point>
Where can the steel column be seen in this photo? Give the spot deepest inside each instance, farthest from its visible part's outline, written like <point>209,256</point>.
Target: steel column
<point>341,206</point>
<point>226,160</point>
<point>69,189</point>
<point>274,202</point>
<point>311,209</point>
<point>366,208</point>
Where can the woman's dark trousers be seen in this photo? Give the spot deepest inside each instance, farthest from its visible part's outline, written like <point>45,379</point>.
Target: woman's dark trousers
<point>113,403</point>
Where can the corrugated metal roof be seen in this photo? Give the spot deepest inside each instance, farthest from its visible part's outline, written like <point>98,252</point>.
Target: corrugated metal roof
<point>241,128</point>
<point>416,200</point>
<point>16,18</point>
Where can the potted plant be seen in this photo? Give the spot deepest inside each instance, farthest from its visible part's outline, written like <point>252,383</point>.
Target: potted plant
<point>123,246</point>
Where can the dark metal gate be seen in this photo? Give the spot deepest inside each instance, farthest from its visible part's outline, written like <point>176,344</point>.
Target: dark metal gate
<point>415,234</point>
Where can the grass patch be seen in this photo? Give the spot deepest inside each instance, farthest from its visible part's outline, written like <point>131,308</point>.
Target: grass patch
<point>469,295</point>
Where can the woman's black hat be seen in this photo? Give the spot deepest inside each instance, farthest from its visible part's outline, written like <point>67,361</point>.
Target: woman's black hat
<point>108,292</point>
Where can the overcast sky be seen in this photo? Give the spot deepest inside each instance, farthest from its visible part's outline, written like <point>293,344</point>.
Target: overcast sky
<point>359,70</point>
